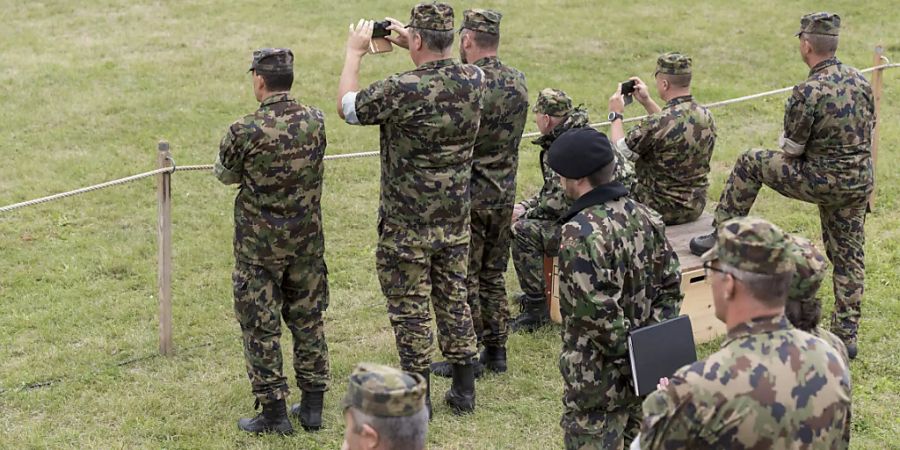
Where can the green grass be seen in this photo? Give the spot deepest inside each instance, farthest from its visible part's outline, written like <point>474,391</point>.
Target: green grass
<point>88,88</point>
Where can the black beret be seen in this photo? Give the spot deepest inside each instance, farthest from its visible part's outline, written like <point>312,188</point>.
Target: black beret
<point>580,152</point>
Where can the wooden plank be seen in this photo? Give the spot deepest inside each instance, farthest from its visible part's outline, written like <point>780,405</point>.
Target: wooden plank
<point>680,237</point>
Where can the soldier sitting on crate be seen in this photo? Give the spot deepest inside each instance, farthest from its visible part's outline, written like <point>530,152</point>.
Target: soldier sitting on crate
<point>618,272</point>
<point>535,227</point>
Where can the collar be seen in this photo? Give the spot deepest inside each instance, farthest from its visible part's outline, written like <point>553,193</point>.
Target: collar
<point>823,64</point>
<point>597,196</point>
<point>759,325</point>
<point>436,64</point>
<point>487,61</point>
<point>576,118</point>
<point>277,97</point>
<point>679,100</point>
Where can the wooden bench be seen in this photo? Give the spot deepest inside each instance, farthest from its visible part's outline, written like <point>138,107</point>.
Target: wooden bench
<point>698,301</point>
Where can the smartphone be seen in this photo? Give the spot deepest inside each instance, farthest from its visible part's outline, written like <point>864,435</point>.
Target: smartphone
<point>379,44</point>
<point>627,91</point>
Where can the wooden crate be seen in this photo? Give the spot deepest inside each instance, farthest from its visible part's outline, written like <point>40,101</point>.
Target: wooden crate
<point>698,305</point>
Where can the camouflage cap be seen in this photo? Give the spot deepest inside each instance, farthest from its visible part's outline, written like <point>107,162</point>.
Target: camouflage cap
<point>483,20</point>
<point>384,391</point>
<point>752,245</point>
<point>431,16</point>
<point>810,267</point>
<point>820,23</point>
<point>553,102</point>
<point>272,61</point>
<point>673,63</point>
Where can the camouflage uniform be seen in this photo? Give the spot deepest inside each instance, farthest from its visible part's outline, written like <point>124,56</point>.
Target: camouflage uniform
<point>671,151</point>
<point>770,385</point>
<point>275,155</point>
<point>826,161</point>
<point>618,273</point>
<point>429,120</point>
<point>496,160</point>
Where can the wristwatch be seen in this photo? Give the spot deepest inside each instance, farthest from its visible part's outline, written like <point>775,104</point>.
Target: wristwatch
<point>613,116</point>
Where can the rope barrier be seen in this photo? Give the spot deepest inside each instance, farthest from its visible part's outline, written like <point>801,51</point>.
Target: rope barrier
<point>201,167</point>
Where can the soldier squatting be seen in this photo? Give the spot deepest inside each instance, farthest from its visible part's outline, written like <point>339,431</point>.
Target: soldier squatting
<point>449,134</point>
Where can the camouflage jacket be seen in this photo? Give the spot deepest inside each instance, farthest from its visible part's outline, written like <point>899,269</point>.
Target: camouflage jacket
<point>673,148</point>
<point>834,341</point>
<point>276,154</point>
<point>551,202</point>
<point>770,386</point>
<point>429,119</point>
<point>618,273</point>
<point>828,120</point>
<point>503,113</point>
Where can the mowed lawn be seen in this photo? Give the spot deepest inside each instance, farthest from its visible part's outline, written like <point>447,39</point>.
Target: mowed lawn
<point>88,88</point>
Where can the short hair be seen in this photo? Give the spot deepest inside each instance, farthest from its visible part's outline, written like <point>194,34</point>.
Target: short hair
<point>770,289</point>
<point>681,81</point>
<point>602,176</point>
<point>822,44</point>
<point>487,41</point>
<point>436,41</point>
<point>804,315</point>
<point>277,82</point>
<point>403,433</point>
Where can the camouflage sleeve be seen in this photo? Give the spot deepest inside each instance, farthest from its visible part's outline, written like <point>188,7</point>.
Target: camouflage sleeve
<point>593,286</point>
<point>798,121</point>
<point>668,418</point>
<point>530,203</point>
<point>230,160</point>
<point>374,104</point>
<point>668,303</point>
<point>551,201</point>
<point>641,139</point>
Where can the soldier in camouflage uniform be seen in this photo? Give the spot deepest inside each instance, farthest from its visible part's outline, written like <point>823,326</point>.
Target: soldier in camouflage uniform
<point>429,121</point>
<point>770,385</point>
<point>618,273</point>
<point>535,227</point>
<point>671,147</point>
<point>384,408</point>
<point>275,156</point>
<point>826,160</point>
<point>496,160</point>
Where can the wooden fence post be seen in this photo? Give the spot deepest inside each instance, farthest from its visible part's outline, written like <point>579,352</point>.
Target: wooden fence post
<point>877,84</point>
<point>164,255</point>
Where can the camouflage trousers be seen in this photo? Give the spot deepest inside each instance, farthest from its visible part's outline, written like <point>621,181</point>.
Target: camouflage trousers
<point>488,257</point>
<point>842,214</point>
<point>532,239</point>
<point>672,212</point>
<point>264,295</point>
<point>417,267</point>
<point>602,430</point>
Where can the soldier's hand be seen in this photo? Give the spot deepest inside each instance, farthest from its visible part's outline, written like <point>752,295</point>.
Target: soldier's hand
<point>359,38</point>
<point>641,93</point>
<point>617,101</point>
<point>518,210</point>
<point>663,382</point>
<point>401,39</point>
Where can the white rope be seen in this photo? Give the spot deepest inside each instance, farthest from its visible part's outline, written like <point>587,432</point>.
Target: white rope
<point>97,187</point>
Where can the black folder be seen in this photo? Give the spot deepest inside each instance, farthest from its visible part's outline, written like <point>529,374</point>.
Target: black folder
<point>659,350</point>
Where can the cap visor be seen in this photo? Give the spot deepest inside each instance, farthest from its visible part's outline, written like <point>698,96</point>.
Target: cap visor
<point>711,254</point>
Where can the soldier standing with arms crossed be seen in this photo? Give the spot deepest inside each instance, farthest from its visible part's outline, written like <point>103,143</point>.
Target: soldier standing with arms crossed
<point>496,160</point>
<point>826,160</point>
<point>429,120</point>
<point>275,155</point>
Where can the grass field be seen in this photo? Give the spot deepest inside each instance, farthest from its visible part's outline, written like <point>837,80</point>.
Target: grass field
<point>88,88</point>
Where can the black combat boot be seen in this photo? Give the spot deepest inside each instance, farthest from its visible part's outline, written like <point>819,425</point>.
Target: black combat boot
<point>426,374</point>
<point>852,349</point>
<point>493,359</point>
<point>272,419</point>
<point>309,410</point>
<point>534,315</point>
<point>444,369</point>
<point>702,244</point>
<point>461,396</point>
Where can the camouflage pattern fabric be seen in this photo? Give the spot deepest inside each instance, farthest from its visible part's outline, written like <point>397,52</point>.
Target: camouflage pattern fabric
<point>431,16</point>
<point>673,148</point>
<point>770,386</point>
<point>618,273</point>
<point>673,63</point>
<point>429,120</point>
<point>383,391</point>
<point>828,127</point>
<point>272,61</point>
<point>553,102</point>
<point>486,287</point>
<point>275,155</point>
<point>752,245</point>
<point>264,295</point>
<point>820,23</point>
<point>836,343</point>
<point>482,20</point>
<point>531,240</point>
